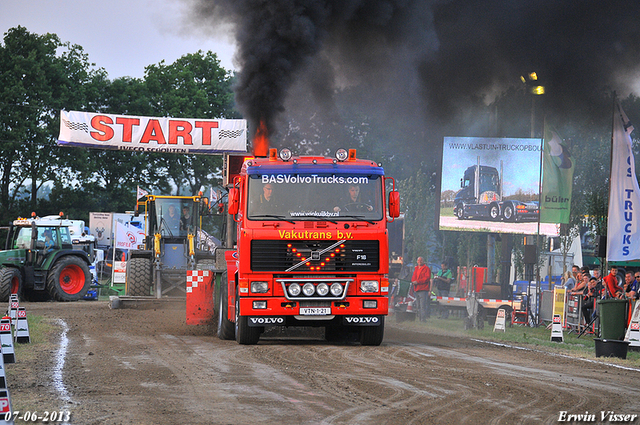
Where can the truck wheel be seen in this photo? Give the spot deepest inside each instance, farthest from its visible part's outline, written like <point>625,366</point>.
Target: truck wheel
<point>372,335</point>
<point>69,279</point>
<point>494,212</point>
<point>460,212</point>
<point>508,213</point>
<point>10,282</point>
<point>226,328</point>
<point>139,277</point>
<point>245,334</point>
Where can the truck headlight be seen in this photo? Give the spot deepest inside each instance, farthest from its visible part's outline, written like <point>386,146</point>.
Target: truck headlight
<point>308,289</point>
<point>369,286</point>
<point>336,289</point>
<point>322,289</point>
<point>259,287</point>
<point>294,289</point>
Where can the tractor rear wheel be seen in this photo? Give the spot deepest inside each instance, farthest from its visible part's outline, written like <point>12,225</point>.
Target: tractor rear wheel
<point>10,280</point>
<point>69,279</point>
<point>139,277</point>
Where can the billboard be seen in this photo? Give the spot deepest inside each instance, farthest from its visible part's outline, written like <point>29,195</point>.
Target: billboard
<point>492,185</point>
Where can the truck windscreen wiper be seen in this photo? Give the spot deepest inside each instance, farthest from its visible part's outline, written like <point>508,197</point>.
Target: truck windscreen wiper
<point>277,217</point>
<point>357,217</point>
<point>318,217</point>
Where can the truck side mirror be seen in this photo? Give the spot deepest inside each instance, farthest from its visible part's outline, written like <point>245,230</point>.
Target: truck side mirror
<point>234,200</point>
<point>394,204</point>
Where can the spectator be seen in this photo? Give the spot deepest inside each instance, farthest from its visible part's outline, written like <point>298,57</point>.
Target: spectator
<point>421,281</point>
<point>635,288</point>
<point>630,285</point>
<point>568,282</point>
<point>598,276</point>
<point>576,271</point>
<point>578,289</point>
<point>611,283</point>
<point>591,293</point>
<point>443,280</point>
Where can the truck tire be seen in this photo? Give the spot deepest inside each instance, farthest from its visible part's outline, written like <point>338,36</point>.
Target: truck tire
<point>226,328</point>
<point>372,335</point>
<point>508,213</point>
<point>494,212</point>
<point>69,279</point>
<point>460,212</point>
<point>139,277</point>
<point>245,334</point>
<point>10,282</point>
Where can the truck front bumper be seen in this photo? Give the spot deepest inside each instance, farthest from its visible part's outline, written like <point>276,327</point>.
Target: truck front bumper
<point>276,311</point>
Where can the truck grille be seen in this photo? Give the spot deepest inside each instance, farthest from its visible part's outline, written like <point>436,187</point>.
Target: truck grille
<point>280,256</point>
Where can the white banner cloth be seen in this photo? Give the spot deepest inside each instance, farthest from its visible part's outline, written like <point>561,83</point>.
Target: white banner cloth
<point>150,134</point>
<point>623,226</point>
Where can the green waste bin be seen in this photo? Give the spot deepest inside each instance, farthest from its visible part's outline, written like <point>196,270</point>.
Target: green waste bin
<point>613,318</point>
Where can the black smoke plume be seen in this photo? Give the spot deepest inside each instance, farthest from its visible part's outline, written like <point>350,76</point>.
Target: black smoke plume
<point>423,61</point>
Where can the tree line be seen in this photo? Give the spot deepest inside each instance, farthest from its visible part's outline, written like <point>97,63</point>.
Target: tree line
<point>40,75</point>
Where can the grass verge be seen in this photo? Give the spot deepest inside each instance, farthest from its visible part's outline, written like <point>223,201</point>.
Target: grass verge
<point>538,338</point>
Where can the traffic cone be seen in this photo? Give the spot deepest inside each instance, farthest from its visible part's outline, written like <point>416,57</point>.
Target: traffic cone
<point>5,407</point>
<point>6,340</point>
<point>556,329</point>
<point>22,327</point>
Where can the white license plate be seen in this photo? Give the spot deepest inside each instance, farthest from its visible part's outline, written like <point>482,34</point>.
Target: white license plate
<point>315,311</point>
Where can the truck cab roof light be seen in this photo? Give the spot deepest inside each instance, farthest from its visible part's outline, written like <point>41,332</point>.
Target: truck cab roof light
<point>342,155</point>
<point>285,154</point>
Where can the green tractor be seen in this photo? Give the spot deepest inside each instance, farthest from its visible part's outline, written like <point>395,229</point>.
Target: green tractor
<point>174,243</point>
<point>39,262</point>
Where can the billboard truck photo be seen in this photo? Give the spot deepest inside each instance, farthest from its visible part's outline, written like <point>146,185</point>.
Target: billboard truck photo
<point>492,185</point>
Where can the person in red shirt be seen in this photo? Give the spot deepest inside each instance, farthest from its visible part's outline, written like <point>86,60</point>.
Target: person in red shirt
<point>421,281</point>
<point>611,283</point>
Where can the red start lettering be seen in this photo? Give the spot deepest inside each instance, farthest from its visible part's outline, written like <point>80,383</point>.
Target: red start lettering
<point>101,124</point>
<point>180,131</point>
<point>153,132</point>
<point>206,127</point>
<point>127,127</point>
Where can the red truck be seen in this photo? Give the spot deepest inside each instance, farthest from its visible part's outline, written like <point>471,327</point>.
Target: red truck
<point>311,247</point>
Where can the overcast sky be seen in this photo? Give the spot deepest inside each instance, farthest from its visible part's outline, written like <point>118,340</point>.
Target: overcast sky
<point>121,36</point>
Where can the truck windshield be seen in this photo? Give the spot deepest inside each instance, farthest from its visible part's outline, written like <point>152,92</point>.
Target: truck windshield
<point>175,217</point>
<point>315,197</point>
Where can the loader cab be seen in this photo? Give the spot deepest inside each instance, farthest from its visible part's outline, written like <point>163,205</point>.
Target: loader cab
<point>173,217</point>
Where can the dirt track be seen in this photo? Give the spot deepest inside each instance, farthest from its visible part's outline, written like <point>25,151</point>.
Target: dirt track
<point>148,367</point>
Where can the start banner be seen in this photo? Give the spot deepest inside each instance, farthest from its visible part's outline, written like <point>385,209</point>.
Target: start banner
<point>150,134</point>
